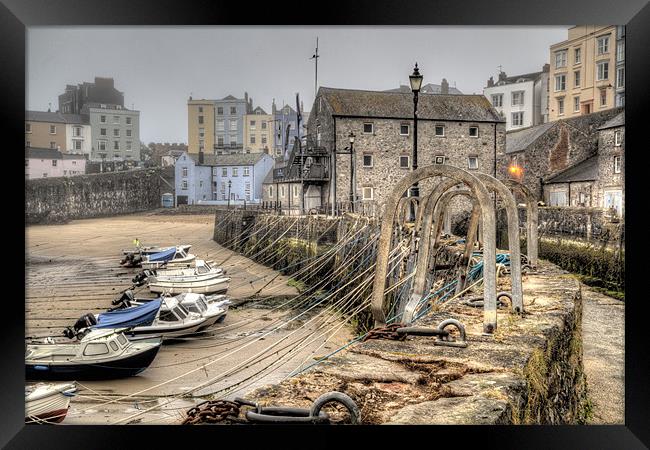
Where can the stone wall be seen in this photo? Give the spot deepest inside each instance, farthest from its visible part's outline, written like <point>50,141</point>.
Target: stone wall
<point>66,198</point>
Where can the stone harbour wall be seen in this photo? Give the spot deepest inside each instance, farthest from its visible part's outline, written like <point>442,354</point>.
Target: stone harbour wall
<point>51,200</point>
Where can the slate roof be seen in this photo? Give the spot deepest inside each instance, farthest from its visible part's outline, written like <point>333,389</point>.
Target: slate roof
<point>428,88</point>
<point>527,76</point>
<point>53,117</point>
<point>42,153</point>
<point>269,178</point>
<point>517,141</point>
<point>259,110</point>
<point>351,102</point>
<point>240,159</point>
<point>586,170</point>
<point>616,121</point>
<point>229,97</point>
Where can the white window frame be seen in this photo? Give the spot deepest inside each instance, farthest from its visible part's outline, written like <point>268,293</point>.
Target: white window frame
<point>519,114</point>
<point>253,125</point>
<point>617,164</point>
<point>184,185</point>
<point>576,104</point>
<point>52,129</point>
<point>497,100</point>
<point>233,125</point>
<point>372,128</point>
<point>116,132</point>
<point>116,120</point>
<point>560,106</point>
<point>408,129</point>
<point>129,146</point>
<point>469,162</point>
<point>129,120</point>
<point>577,55</point>
<point>372,160</point>
<point>560,86</point>
<point>439,159</point>
<point>235,171</point>
<point>28,128</point>
<point>602,45</point>
<point>620,77</point>
<point>370,190</point>
<point>408,161</point>
<point>618,138</point>
<point>577,78</point>
<point>600,70</point>
<point>562,60</point>
<point>271,191</point>
<point>101,145</point>
<point>517,95</point>
<point>184,172</point>
<point>102,119</point>
<point>247,171</point>
<point>470,131</point>
<point>620,51</point>
<point>435,130</point>
<point>224,171</point>
<point>116,147</point>
<point>553,196</point>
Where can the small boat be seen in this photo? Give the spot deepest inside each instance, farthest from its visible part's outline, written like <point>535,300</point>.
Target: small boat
<point>48,403</point>
<point>148,250</point>
<point>175,257</point>
<point>200,279</point>
<point>100,355</point>
<point>213,308</point>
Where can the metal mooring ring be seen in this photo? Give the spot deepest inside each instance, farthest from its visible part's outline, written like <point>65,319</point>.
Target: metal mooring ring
<point>446,339</point>
<point>338,397</point>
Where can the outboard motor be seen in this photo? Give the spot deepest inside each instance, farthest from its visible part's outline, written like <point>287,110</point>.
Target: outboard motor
<point>85,321</point>
<point>140,278</point>
<point>124,301</point>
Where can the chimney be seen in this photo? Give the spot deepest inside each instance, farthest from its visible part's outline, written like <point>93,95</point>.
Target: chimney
<point>546,67</point>
<point>246,97</point>
<point>444,86</point>
<point>273,107</point>
<point>502,76</point>
<point>490,82</point>
<point>250,105</point>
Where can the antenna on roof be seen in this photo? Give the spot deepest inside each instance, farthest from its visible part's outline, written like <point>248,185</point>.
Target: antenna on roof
<point>315,57</point>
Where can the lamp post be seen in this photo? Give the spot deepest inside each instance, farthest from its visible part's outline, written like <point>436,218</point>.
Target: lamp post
<point>352,163</point>
<point>229,185</point>
<point>416,83</point>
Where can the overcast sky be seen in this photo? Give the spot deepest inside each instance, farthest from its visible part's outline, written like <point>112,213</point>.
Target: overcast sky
<point>158,68</point>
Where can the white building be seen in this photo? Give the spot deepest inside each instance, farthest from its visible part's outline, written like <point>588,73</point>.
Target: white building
<point>521,99</point>
<point>78,138</point>
<point>51,163</point>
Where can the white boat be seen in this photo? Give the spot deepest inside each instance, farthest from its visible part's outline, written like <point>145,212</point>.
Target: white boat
<point>101,354</point>
<point>147,250</point>
<point>201,279</point>
<point>213,308</point>
<point>175,257</point>
<point>47,403</point>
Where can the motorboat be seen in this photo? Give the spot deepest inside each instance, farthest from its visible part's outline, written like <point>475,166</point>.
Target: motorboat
<point>213,308</point>
<point>48,403</point>
<point>200,279</point>
<point>173,258</point>
<point>157,317</point>
<point>100,354</point>
<point>133,257</point>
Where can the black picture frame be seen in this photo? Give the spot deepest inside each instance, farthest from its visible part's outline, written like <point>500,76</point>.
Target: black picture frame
<point>16,15</point>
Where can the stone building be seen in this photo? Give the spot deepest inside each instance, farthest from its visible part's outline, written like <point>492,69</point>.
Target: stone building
<point>460,130</point>
<point>583,71</point>
<point>522,99</point>
<point>164,154</point>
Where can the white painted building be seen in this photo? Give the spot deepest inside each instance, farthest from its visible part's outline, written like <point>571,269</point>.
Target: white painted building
<point>51,163</point>
<point>78,138</point>
<point>521,99</point>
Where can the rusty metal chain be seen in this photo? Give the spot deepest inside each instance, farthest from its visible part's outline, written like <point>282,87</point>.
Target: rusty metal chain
<point>213,411</point>
<point>387,332</point>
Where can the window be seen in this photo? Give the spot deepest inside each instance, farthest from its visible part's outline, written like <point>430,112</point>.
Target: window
<point>560,82</point>
<point>52,144</point>
<point>184,171</point>
<point>404,129</point>
<point>128,120</point>
<point>219,141</point>
<point>201,132</point>
<point>233,110</point>
<point>577,55</point>
<point>233,141</point>
<point>102,119</point>
<point>233,125</point>
<point>295,190</point>
<point>404,162</point>
<point>603,45</point>
<point>52,129</point>
<point>560,59</point>
<point>368,193</point>
<point>220,125</point>
<point>77,144</point>
<point>184,185</point>
<point>128,146</point>
<point>518,98</point>
<point>618,138</point>
<point>271,191</point>
<point>200,109</point>
<point>603,97</point>
<point>224,171</point>
<point>223,187</point>
<point>620,51</point>
<point>116,119</point>
<point>439,159</point>
<point>200,185</point>
<point>121,339</point>
<point>560,106</point>
<point>128,132</point>
<point>252,139</point>
<point>54,163</point>
<point>576,104</point>
<point>101,145</point>
<point>200,119</point>
<point>28,128</point>
<point>264,125</point>
<point>253,126</point>
<point>620,77</point>
<point>114,346</point>
<point>440,130</point>
<point>235,171</point>
<point>558,198</point>
<point>263,139</point>
<point>44,174</point>
<point>472,162</point>
<point>247,171</point>
<point>576,78</point>
<point>617,164</point>
<point>497,100</point>
<point>76,131</point>
<point>116,131</point>
<point>95,348</point>
<point>517,119</point>
<point>102,131</point>
<point>28,144</point>
<point>368,128</point>
<point>367,160</point>
<point>473,132</point>
<point>603,70</point>
<point>116,145</point>
<point>219,109</point>
<point>282,191</point>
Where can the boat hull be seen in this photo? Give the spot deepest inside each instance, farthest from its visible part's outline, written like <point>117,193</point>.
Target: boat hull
<point>120,368</point>
<point>50,408</point>
<point>218,286</point>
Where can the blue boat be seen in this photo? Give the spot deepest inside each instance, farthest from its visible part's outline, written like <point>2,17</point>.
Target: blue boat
<point>130,317</point>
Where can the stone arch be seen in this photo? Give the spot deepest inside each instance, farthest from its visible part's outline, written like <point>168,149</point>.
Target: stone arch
<point>488,224</point>
<point>532,220</point>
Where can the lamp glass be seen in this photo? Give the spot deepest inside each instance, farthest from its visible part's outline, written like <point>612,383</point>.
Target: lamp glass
<point>416,79</point>
<point>351,136</point>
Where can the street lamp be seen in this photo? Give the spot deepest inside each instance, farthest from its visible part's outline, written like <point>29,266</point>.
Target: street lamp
<point>229,184</point>
<point>352,163</point>
<point>416,83</point>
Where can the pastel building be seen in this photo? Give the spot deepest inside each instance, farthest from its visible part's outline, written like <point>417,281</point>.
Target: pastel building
<point>68,133</point>
<point>258,132</point>
<point>50,163</point>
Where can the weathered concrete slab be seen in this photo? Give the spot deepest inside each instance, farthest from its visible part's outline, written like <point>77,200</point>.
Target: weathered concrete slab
<point>454,411</point>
